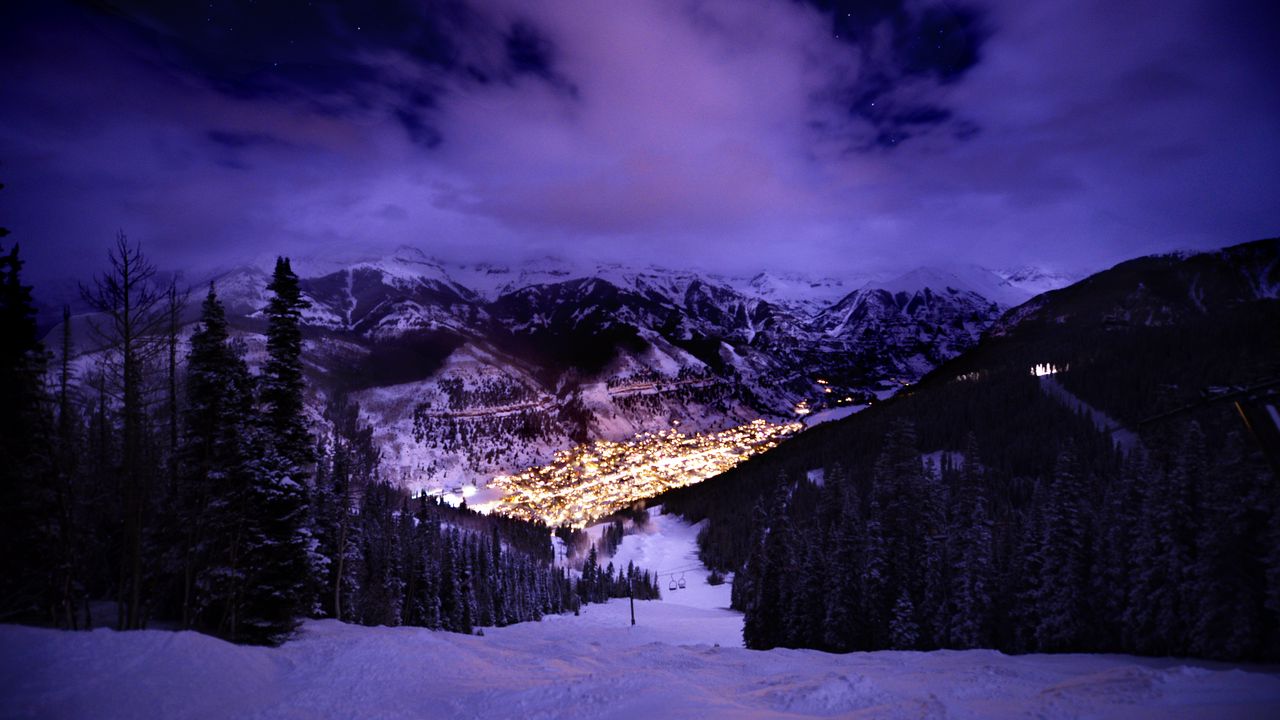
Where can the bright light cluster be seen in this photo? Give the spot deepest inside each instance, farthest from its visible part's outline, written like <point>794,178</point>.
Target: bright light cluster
<point>1043,369</point>
<point>593,480</point>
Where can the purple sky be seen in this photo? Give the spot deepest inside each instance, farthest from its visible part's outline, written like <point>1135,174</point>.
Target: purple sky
<point>737,135</point>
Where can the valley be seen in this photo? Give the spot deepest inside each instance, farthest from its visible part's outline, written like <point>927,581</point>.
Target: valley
<point>748,359</point>
<point>471,372</point>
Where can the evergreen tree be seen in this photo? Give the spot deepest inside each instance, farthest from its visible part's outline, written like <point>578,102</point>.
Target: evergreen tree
<point>932,611</point>
<point>1158,615</point>
<point>806,606</point>
<point>282,379</point>
<point>972,579</point>
<point>278,553</point>
<point>1228,615</point>
<point>212,505</point>
<point>26,592</point>
<point>1063,560</point>
<point>875,579</point>
<point>904,630</point>
<point>588,585</point>
<point>764,619</point>
<point>282,552</point>
<point>842,628</point>
<point>742,592</point>
<point>1112,571</point>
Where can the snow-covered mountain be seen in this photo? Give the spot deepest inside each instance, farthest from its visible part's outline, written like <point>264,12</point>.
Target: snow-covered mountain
<point>471,370</point>
<point>1036,280</point>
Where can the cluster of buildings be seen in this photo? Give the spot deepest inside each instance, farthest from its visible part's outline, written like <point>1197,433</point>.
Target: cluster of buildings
<point>590,481</point>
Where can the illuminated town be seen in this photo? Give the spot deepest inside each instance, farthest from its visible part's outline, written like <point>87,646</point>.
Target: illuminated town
<point>591,481</point>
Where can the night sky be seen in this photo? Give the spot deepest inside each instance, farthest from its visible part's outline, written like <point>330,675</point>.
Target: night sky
<point>735,135</point>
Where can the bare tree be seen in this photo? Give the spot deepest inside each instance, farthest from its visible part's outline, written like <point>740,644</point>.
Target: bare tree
<point>131,330</point>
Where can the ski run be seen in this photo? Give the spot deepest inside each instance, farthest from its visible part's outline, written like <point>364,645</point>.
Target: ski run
<point>682,659</point>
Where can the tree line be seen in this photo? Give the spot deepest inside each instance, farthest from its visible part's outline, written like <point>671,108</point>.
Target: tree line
<point>1165,553</point>
<point>186,488</point>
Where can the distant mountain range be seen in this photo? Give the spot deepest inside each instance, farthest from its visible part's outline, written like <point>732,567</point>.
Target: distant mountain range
<point>469,370</point>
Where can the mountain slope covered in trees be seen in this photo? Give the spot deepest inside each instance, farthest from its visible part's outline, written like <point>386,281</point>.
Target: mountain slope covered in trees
<point>980,510</point>
<point>198,494</point>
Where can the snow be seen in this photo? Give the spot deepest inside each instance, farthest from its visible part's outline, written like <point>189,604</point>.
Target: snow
<point>1037,281</point>
<point>832,414</point>
<point>807,294</point>
<point>1122,436</point>
<point>698,612</point>
<point>973,279</point>
<point>593,665</point>
<point>585,667</point>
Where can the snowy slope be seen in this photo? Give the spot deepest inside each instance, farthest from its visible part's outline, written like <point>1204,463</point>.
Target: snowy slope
<point>966,279</point>
<point>586,667</point>
<point>682,659</point>
<point>668,547</point>
<point>1037,281</point>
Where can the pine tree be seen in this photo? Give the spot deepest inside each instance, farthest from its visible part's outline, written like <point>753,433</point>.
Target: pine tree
<point>743,591</point>
<point>26,591</point>
<point>1226,585</point>
<point>466,582</point>
<point>212,505</point>
<point>875,579</point>
<point>498,580</point>
<point>1157,621</point>
<point>451,594</point>
<point>1025,573</point>
<point>904,630</point>
<point>764,616</point>
<point>806,604</point>
<point>932,610</point>
<point>842,626</point>
<point>588,585</point>
<point>972,579</point>
<point>1113,569</point>
<point>278,552</point>
<point>282,553</point>
<point>282,380</point>
<point>1064,563</point>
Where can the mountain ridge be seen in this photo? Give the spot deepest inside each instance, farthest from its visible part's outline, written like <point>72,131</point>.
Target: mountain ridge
<point>409,336</point>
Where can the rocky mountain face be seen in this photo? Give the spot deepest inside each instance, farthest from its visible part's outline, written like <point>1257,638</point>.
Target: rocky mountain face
<point>467,371</point>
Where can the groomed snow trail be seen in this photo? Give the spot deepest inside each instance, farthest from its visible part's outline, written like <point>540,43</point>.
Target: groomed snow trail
<point>1127,439</point>
<point>593,666</point>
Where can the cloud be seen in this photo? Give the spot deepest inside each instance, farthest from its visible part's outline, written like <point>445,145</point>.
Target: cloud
<point>734,134</point>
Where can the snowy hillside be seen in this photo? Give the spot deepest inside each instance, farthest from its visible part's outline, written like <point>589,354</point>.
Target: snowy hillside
<point>1036,281</point>
<point>468,371</point>
<point>682,659</point>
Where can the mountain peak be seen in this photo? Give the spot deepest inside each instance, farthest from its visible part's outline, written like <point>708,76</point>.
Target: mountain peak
<point>411,254</point>
<point>964,278</point>
<point>1037,280</point>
